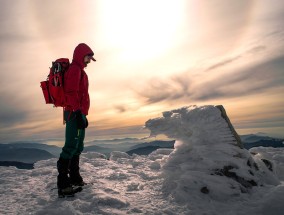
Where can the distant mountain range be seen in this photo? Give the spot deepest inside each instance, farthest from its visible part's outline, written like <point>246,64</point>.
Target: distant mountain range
<point>149,147</point>
<point>144,150</point>
<point>29,153</point>
<point>253,140</point>
<point>26,155</point>
<point>102,150</point>
<point>156,143</point>
<point>250,138</point>
<point>249,141</point>
<point>54,150</point>
<point>123,144</point>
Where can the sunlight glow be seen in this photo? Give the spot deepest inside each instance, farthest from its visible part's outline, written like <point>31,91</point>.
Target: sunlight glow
<point>141,29</point>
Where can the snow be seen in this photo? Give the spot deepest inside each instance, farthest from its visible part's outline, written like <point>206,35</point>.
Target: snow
<point>186,180</point>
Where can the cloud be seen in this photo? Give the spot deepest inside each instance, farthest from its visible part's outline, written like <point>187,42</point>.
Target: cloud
<point>256,49</point>
<point>18,37</point>
<point>120,108</point>
<point>251,51</point>
<point>264,121</point>
<point>13,37</point>
<point>164,90</point>
<point>223,63</point>
<point>57,25</point>
<point>252,80</point>
<point>10,112</point>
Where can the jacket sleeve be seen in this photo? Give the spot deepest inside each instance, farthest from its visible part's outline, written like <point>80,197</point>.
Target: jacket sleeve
<point>71,87</point>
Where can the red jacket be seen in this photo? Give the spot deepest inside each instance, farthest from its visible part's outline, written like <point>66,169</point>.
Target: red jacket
<point>76,82</point>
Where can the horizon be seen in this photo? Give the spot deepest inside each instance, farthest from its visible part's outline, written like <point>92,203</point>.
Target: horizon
<point>59,142</point>
<point>152,56</point>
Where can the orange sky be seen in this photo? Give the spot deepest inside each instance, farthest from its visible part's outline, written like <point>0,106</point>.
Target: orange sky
<point>152,56</point>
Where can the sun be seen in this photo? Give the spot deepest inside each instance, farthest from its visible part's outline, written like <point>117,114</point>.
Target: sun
<point>140,30</point>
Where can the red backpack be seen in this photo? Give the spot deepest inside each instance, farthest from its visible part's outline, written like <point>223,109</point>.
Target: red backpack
<point>52,88</point>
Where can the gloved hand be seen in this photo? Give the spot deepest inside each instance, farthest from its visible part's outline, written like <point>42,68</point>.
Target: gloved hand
<point>87,123</point>
<point>81,123</point>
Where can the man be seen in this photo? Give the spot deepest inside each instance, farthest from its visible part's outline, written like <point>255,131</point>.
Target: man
<point>77,102</point>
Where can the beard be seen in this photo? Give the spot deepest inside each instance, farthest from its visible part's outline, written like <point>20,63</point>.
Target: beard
<point>86,64</point>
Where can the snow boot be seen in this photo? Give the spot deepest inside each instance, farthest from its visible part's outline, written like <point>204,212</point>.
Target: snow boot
<point>75,177</point>
<point>63,181</point>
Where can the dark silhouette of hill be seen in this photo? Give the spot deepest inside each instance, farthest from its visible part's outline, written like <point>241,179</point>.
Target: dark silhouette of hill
<point>55,150</point>
<point>143,150</point>
<point>115,144</point>
<point>275,143</point>
<point>26,155</point>
<point>157,143</point>
<point>19,165</point>
<point>254,140</point>
<point>250,138</point>
<point>148,147</point>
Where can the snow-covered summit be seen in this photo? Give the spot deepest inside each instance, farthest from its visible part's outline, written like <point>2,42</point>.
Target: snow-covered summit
<point>207,151</point>
<point>208,172</point>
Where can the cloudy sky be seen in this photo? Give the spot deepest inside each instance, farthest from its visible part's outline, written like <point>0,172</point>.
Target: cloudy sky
<point>152,56</point>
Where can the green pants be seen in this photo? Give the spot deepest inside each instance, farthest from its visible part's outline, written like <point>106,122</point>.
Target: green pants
<point>74,137</point>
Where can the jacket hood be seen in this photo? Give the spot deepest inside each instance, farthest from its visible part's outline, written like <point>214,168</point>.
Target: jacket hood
<point>80,52</point>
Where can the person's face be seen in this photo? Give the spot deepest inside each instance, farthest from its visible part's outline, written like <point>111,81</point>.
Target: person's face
<point>87,59</point>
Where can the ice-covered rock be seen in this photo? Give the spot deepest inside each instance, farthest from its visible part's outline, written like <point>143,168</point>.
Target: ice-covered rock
<point>207,149</point>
